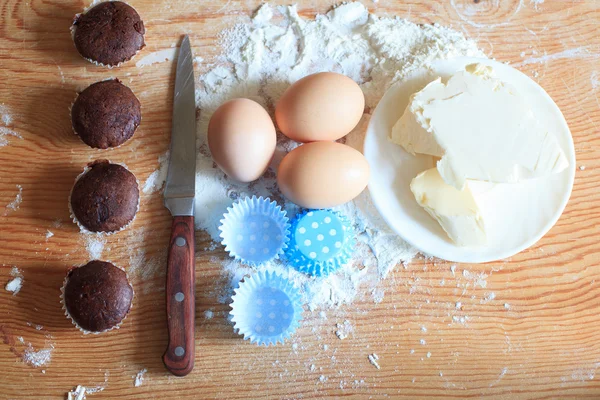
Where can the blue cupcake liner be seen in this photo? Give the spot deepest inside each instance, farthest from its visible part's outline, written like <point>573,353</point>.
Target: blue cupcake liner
<point>255,231</point>
<point>266,308</point>
<point>321,242</point>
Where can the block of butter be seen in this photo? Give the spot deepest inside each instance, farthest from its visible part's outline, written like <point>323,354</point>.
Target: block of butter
<point>481,128</point>
<point>455,210</point>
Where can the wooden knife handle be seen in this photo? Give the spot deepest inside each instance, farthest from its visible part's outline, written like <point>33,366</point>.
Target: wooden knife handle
<point>181,297</point>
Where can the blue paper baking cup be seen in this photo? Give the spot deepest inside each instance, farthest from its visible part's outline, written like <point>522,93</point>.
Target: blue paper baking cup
<point>321,241</point>
<point>255,231</point>
<point>266,308</point>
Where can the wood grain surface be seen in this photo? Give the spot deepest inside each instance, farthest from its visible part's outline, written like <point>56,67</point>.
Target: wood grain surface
<point>537,336</point>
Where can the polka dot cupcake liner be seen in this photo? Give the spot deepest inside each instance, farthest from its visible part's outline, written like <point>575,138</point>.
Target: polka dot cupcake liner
<point>255,231</point>
<point>266,308</point>
<point>321,242</point>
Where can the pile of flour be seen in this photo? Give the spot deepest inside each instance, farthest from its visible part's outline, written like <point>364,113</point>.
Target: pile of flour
<point>261,57</point>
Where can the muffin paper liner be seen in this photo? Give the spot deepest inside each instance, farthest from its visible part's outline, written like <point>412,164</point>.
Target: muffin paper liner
<point>255,231</point>
<point>64,306</point>
<point>82,228</point>
<point>321,242</point>
<point>266,308</point>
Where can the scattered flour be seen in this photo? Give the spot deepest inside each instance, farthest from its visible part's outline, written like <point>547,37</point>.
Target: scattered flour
<point>378,294</point>
<point>158,57</point>
<point>79,393</point>
<point>488,297</point>
<point>157,178</point>
<point>575,53</point>
<point>373,360</point>
<point>5,115</point>
<point>500,376</point>
<point>479,279</point>
<point>147,268</point>
<point>142,267</point>
<point>38,358</point>
<point>15,284</point>
<point>33,356</point>
<point>16,203</point>
<point>49,234</point>
<point>261,58</point>
<point>583,374</point>
<point>94,244</point>
<point>461,320</point>
<point>139,378</point>
<point>209,314</point>
<point>262,16</point>
<point>344,330</point>
<point>62,75</point>
<point>4,133</point>
<point>36,326</point>
<point>7,120</point>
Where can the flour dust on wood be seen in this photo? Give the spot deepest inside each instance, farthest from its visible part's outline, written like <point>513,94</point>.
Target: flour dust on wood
<point>16,283</point>
<point>139,378</point>
<point>261,57</point>
<point>16,203</point>
<point>6,122</point>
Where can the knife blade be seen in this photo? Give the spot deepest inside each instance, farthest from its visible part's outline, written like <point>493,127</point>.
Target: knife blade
<point>179,195</point>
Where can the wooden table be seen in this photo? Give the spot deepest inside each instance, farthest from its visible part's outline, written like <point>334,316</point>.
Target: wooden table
<point>539,337</point>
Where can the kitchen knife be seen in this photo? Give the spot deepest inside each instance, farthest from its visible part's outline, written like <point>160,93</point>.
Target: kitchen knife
<point>179,199</point>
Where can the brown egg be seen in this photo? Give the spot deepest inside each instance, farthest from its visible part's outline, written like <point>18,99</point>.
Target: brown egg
<point>323,106</point>
<point>322,174</point>
<point>242,138</point>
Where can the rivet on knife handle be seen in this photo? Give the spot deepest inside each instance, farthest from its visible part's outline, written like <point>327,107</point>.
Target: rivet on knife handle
<point>180,292</point>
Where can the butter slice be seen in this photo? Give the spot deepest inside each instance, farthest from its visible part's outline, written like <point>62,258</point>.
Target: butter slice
<point>455,210</point>
<point>481,128</point>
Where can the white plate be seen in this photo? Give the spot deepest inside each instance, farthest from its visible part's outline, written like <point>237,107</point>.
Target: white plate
<point>516,215</point>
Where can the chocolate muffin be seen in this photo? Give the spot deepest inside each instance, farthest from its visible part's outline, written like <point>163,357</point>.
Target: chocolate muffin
<point>105,197</point>
<point>97,296</point>
<point>106,114</point>
<point>108,34</point>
